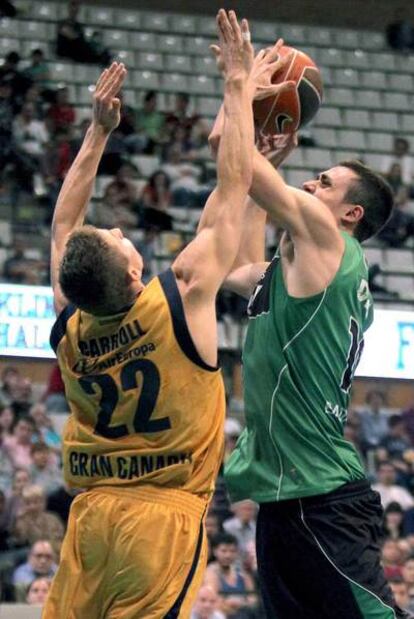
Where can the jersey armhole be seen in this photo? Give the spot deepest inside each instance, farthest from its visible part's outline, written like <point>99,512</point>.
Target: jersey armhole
<point>59,328</point>
<point>181,332</point>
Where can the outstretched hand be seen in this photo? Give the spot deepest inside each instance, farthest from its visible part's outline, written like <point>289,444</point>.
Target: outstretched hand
<point>267,62</point>
<point>106,105</point>
<point>235,49</point>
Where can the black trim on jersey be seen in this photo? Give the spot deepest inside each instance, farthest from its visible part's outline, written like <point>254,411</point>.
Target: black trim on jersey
<point>181,332</point>
<point>174,611</point>
<point>59,328</point>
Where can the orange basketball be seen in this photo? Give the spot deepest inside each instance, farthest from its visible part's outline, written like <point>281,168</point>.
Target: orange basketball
<point>287,112</point>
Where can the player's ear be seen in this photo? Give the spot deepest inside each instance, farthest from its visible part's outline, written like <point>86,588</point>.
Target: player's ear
<point>354,213</point>
<point>133,275</point>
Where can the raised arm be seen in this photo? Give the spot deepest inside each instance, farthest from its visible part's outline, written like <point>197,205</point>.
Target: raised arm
<point>203,265</point>
<point>77,188</point>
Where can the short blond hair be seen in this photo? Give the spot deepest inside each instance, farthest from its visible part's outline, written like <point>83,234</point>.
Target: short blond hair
<point>33,492</point>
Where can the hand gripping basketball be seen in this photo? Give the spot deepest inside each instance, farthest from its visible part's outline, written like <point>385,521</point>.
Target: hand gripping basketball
<point>267,63</point>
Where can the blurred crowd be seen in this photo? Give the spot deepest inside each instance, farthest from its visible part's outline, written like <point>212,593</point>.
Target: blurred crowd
<point>35,501</point>
<point>40,134</point>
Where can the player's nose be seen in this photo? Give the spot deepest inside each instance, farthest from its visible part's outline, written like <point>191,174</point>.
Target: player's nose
<point>117,232</point>
<point>309,186</point>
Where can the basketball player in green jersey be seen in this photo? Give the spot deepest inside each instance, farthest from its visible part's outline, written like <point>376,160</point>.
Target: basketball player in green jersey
<point>319,521</point>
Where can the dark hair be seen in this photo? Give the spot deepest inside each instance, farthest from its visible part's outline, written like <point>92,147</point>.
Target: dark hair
<point>393,508</point>
<point>394,420</point>
<point>150,95</point>
<point>224,538</point>
<point>37,52</point>
<point>374,194</point>
<point>184,96</point>
<point>153,177</point>
<point>13,57</point>
<point>92,275</point>
<point>39,447</point>
<point>27,419</point>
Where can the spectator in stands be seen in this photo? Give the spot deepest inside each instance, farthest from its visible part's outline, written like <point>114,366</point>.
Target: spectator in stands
<point>390,491</point>
<point>9,71</point>
<point>408,575</point>
<point>38,71</point>
<point>125,191</point>
<point>155,201</point>
<point>181,117</point>
<point>115,211</point>
<point>398,229</point>
<point>126,125</point>
<point>15,272</point>
<point>234,586</point>
<point>6,126</point>
<point>99,49</point>
<point>391,559</point>
<point>408,417</point>
<point>15,508</point>
<point>400,591</point>
<point>19,444</point>
<point>23,396</point>
<point>36,523</point>
<point>71,40</point>
<point>4,523</point>
<point>44,471</point>
<point>199,140</point>
<point>54,397</point>
<point>44,428</point>
<point>10,376</point>
<point>213,528</point>
<point>40,564</point>
<point>55,164</point>
<point>206,605</point>
<point>6,466</point>
<point>30,134</point>
<point>401,156</point>
<point>396,441</point>
<point>400,32</point>
<point>33,96</point>
<point>232,431</point>
<point>61,114</point>
<point>396,182</point>
<point>393,521</point>
<point>7,9</point>
<point>243,524</point>
<point>7,420</point>
<point>149,124</point>
<point>38,590</point>
<point>146,247</point>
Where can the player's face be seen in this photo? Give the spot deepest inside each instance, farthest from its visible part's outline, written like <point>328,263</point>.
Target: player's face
<point>116,239</point>
<point>331,188</point>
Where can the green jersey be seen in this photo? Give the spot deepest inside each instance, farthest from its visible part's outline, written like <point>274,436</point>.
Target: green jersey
<point>299,359</point>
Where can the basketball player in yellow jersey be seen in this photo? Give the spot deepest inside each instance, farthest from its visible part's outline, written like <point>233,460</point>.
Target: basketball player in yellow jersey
<point>139,363</point>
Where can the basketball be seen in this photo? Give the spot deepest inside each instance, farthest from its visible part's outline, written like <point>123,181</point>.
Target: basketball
<point>291,110</point>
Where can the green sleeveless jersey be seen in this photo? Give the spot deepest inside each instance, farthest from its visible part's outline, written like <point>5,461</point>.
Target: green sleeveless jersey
<point>299,359</point>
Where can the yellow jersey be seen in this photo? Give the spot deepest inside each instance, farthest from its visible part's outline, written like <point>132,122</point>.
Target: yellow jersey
<point>145,408</point>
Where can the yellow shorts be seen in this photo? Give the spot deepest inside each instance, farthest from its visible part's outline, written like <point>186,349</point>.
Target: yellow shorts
<point>130,554</point>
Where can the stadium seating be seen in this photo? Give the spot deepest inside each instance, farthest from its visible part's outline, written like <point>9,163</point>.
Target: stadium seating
<point>368,89</point>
